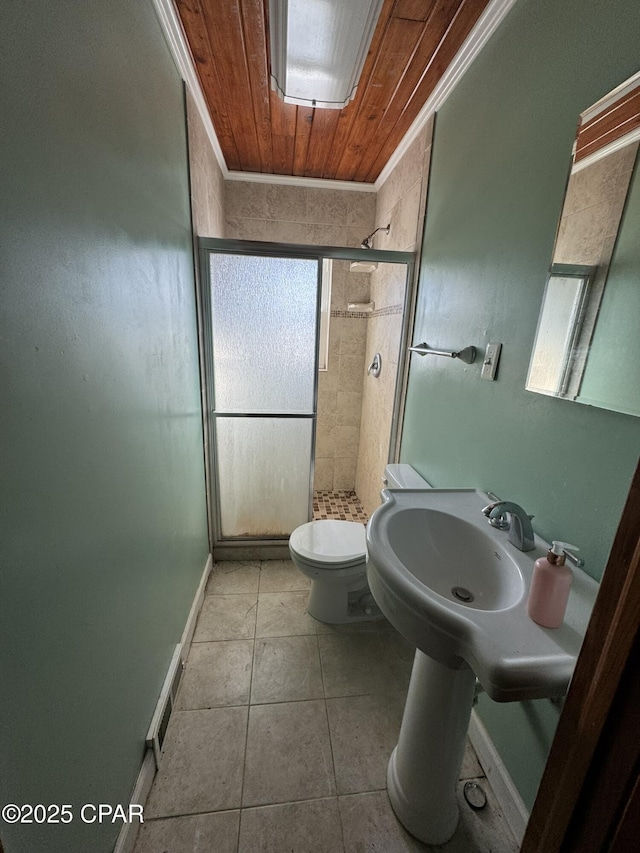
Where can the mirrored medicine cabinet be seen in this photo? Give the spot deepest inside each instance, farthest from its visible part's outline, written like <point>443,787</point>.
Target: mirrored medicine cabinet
<point>587,345</point>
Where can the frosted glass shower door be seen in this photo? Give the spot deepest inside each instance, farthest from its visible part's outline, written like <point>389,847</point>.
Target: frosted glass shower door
<point>264,314</point>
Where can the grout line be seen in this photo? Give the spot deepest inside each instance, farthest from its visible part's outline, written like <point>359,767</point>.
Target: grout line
<point>333,761</point>
<point>246,739</point>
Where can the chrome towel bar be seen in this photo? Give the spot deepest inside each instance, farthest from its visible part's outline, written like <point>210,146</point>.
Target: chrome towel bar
<point>468,354</point>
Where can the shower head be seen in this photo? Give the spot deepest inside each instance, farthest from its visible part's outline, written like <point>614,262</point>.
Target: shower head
<point>366,243</point>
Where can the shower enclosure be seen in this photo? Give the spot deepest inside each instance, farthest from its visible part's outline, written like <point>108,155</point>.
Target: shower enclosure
<point>259,307</point>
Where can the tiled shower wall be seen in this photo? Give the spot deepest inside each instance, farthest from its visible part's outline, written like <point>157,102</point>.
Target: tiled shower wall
<point>400,203</point>
<point>207,184</point>
<point>340,386</point>
<point>321,217</point>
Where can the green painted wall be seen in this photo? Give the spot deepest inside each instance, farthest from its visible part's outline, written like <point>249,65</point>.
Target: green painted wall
<point>102,512</point>
<point>500,162</point>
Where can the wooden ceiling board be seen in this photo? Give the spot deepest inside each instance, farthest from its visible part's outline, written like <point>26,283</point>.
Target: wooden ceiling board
<point>304,120</point>
<point>192,21</point>
<point>621,118</point>
<point>323,130</point>
<point>255,36</point>
<point>411,103</point>
<point>413,44</point>
<point>390,65</point>
<point>284,136</point>
<point>344,131</point>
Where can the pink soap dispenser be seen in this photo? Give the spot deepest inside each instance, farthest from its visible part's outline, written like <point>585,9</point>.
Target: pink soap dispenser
<point>550,585</point>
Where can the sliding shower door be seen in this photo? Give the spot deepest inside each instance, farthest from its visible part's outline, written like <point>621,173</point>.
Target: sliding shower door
<point>262,354</point>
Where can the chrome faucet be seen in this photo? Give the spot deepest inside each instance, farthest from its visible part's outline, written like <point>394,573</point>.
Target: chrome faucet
<point>506,515</point>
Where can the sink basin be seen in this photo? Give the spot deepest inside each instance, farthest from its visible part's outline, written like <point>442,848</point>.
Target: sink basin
<point>457,589</point>
<point>435,547</point>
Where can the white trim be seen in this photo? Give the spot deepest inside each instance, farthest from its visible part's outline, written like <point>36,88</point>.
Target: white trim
<point>129,831</point>
<point>292,180</point>
<point>603,152</point>
<point>183,58</point>
<point>609,100</point>
<point>189,628</point>
<point>513,808</point>
<point>485,27</point>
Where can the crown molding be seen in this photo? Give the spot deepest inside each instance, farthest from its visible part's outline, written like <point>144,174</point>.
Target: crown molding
<point>183,58</point>
<point>487,24</point>
<point>291,180</point>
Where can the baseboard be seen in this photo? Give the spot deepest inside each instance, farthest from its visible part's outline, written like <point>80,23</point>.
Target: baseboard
<point>513,808</point>
<point>190,627</point>
<point>129,832</point>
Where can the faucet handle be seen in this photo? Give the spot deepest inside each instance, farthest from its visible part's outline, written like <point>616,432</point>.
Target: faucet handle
<point>490,507</point>
<point>498,519</point>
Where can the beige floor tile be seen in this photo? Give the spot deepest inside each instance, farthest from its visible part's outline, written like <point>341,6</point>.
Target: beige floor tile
<point>281,576</point>
<point>286,669</point>
<point>230,576</point>
<point>201,769</point>
<point>288,754</point>
<point>364,731</point>
<point>354,664</point>
<point>310,827</point>
<point>192,834</point>
<point>483,831</point>
<point>369,824</point>
<point>366,626</point>
<point>226,617</point>
<point>217,674</point>
<point>284,614</point>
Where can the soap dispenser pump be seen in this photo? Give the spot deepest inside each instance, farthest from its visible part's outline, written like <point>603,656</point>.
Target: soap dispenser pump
<point>550,585</point>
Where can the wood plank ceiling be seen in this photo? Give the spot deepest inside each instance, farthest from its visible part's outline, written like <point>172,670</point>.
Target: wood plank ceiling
<point>413,44</point>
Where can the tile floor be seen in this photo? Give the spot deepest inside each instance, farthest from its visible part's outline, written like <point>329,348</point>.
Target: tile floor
<point>283,730</point>
<point>343,505</point>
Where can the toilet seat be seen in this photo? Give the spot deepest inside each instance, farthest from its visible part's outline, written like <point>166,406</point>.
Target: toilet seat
<point>330,544</point>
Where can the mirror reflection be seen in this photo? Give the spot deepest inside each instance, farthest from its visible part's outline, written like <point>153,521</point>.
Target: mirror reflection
<point>587,345</point>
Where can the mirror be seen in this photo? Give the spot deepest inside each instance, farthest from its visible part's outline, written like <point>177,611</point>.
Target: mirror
<point>587,345</point>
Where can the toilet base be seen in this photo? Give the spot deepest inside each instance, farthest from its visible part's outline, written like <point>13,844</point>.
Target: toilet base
<point>337,604</point>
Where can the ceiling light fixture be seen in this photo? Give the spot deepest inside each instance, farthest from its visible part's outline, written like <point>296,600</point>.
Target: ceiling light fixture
<point>318,49</point>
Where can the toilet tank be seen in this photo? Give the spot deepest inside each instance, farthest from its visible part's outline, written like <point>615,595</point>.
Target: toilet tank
<point>403,476</point>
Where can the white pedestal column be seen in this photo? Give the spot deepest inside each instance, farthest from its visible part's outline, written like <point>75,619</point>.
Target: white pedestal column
<point>424,767</point>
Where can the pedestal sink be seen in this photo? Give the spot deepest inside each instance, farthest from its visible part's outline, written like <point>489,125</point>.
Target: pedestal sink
<point>457,589</point>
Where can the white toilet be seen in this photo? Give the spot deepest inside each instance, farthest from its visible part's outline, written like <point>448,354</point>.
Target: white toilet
<point>333,555</point>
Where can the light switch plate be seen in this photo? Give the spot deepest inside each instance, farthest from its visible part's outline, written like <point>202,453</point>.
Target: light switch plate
<point>490,363</point>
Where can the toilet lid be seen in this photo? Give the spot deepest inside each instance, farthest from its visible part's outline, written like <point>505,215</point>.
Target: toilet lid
<point>330,542</point>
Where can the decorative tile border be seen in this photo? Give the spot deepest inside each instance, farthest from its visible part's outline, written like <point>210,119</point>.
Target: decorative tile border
<point>388,311</point>
<point>351,315</point>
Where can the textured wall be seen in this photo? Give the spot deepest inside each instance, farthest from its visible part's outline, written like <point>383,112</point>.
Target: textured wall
<point>400,203</point>
<point>207,183</point>
<point>321,217</point>
<point>103,516</point>
<point>501,155</point>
